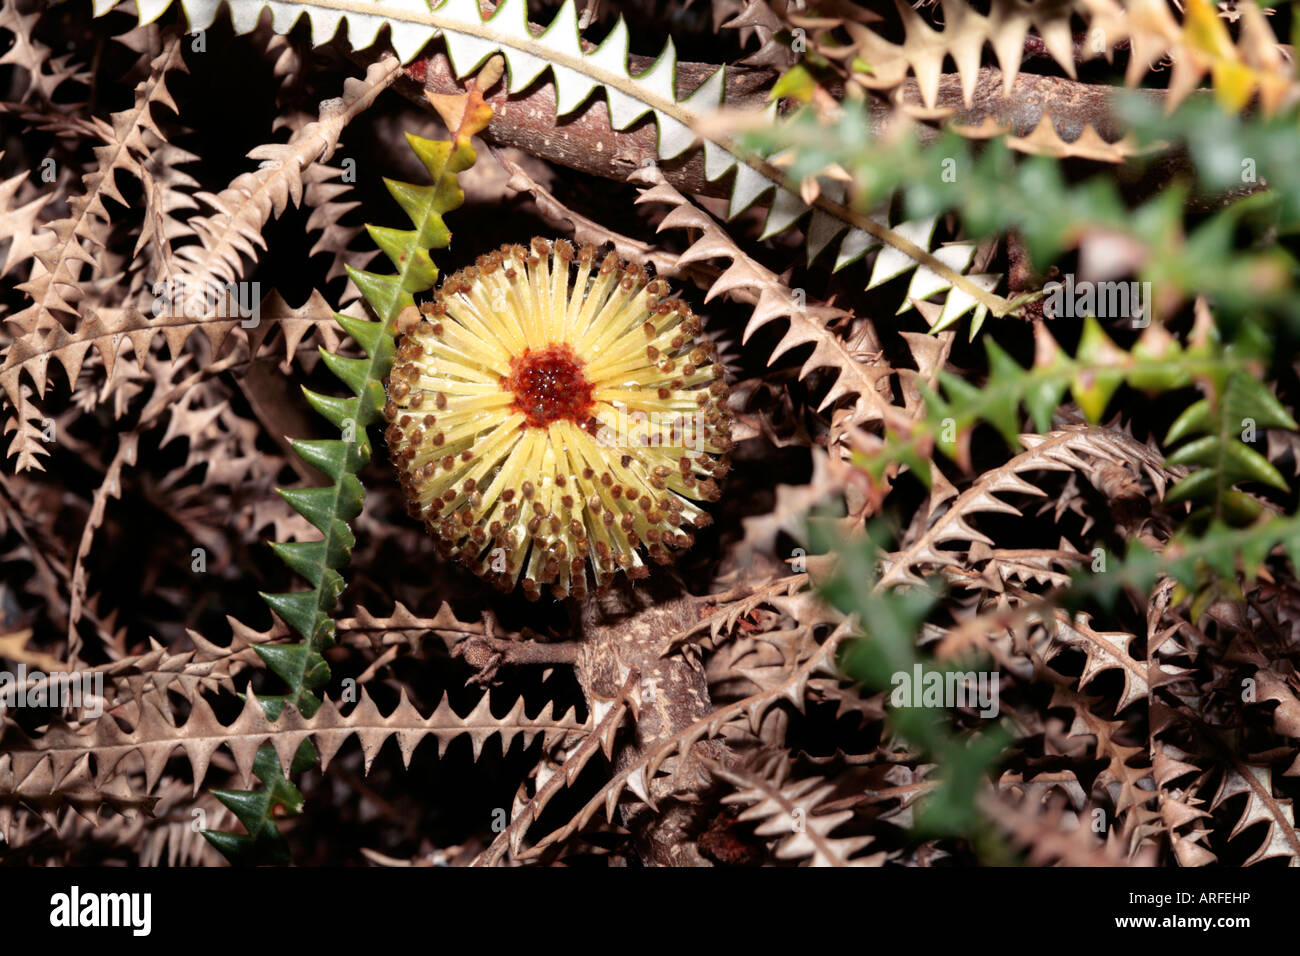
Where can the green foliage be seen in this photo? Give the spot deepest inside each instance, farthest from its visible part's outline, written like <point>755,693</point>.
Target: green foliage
<point>1188,557</point>
<point>1230,532</point>
<point>1231,417</point>
<point>256,809</point>
<point>1091,377</point>
<point>1214,237</point>
<point>890,621</point>
<point>331,507</point>
<point>993,192</point>
<point>1228,150</point>
<point>1236,405</point>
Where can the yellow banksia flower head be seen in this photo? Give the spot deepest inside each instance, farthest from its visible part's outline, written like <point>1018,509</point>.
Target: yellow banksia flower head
<point>553,410</point>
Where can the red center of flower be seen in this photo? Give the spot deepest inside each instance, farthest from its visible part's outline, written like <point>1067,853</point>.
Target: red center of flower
<point>549,386</point>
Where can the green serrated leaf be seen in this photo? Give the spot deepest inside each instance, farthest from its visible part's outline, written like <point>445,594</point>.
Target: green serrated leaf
<point>340,411</point>
<point>317,505</point>
<point>252,809</point>
<point>1194,420</point>
<point>384,293</point>
<point>330,508</point>
<point>307,558</point>
<point>296,664</point>
<point>298,609</point>
<point>368,334</point>
<point>328,455</point>
<point>355,373</point>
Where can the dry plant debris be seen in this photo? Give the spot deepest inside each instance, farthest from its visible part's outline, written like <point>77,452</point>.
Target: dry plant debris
<point>953,484</point>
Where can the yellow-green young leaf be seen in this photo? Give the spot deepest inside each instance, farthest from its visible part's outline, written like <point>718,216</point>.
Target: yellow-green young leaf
<point>1156,366</point>
<point>368,334</point>
<point>353,372</point>
<point>1001,396</point>
<point>336,409</point>
<point>1201,603</point>
<point>1042,401</point>
<point>1092,390</point>
<point>797,83</point>
<point>1099,370</point>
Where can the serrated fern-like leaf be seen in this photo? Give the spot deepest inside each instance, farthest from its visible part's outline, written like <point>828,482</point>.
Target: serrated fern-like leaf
<point>1236,408</point>
<point>1235,401</point>
<point>1200,44</point>
<point>1225,550</point>
<point>889,621</point>
<point>994,194</point>
<point>1156,363</point>
<point>1239,405</point>
<point>787,812</point>
<point>330,508</point>
<point>255,809</point>
<point>577,75</point>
